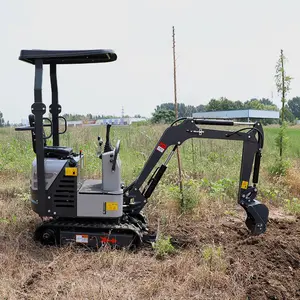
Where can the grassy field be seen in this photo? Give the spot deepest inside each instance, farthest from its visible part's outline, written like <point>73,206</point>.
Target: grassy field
<point>213,257</point>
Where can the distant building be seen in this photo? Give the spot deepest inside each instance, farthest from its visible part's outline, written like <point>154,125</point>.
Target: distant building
<point>74,123</point>
<point>113,121</point>
<point>238,114</point>
<point>119,121</point>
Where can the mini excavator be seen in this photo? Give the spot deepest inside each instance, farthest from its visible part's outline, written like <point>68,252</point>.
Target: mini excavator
<point>100,212</point>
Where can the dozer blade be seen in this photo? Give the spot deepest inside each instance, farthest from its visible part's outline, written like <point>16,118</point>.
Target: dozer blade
<point>257,217</point>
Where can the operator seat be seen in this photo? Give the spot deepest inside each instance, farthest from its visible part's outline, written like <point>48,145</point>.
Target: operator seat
<point>58,152</point>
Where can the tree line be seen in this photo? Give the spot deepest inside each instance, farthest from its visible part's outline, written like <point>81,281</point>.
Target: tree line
<point>2,122</point>
<point>165,112</point>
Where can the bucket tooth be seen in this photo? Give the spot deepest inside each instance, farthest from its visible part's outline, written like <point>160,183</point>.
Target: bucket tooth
<point>257,217</point>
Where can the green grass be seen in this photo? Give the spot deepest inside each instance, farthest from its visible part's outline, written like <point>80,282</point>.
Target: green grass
<point>293,133</point>
<point>213,161</point>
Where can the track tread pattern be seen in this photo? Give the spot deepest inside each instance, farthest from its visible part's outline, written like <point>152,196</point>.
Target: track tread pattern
<point>126,224</point>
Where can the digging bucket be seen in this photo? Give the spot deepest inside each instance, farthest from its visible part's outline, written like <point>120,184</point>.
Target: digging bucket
<point>257,217</point>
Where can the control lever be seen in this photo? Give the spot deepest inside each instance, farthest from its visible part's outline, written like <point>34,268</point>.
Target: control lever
<point>108,147</point>
<point>100,142</point>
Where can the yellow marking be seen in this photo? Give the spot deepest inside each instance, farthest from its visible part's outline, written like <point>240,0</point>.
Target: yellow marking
<point>111,205</point>
<point>244,185</point>
<point>71,171</point>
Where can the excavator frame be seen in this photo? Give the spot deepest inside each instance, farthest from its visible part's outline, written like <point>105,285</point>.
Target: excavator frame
<point>121,223</point>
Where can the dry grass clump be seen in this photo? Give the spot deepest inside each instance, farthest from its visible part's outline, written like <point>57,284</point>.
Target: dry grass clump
<point>293,178</point>
<point>73,274</point>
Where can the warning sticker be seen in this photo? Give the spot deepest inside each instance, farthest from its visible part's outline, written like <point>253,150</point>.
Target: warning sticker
<point>82,238</point>
<point>244,185</point>
<point>161,147</point>
<point>111,205</point>
<point>70,171</point>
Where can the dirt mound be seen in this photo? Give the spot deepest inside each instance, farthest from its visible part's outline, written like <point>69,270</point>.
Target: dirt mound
<point>268,265</point>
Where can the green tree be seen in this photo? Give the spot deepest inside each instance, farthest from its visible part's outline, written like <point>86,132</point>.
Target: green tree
<point>260,104</point>
<point>282,82</point>
<point>283,87</point>
<point>2,123</point>
<point>183,110</point>
<point>266,101</point>
<point>213,105</point>
<point>254,104</point>
<point>89,117</point>
<point>288,115</point>
<point>294,106</point>
<point>163,116</point>
<point>239,104</point>
<point>200,108</point>
<point>220,104</point>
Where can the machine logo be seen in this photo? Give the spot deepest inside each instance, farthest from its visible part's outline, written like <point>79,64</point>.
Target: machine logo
<point>161,147</point>
<point>108,240</point>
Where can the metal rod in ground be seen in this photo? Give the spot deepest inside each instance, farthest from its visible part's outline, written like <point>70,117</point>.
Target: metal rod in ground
<point>176,116</point>
<point>193,157</point>
<point>282,99</point>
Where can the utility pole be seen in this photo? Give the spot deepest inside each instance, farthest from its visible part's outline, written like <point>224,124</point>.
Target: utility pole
<point>176,116</point>
<point>283,89</point>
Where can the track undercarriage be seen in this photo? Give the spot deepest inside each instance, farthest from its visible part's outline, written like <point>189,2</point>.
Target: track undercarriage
<point>126,232</point>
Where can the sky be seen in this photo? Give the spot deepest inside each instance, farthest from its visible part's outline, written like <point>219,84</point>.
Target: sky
<point>224,49</point>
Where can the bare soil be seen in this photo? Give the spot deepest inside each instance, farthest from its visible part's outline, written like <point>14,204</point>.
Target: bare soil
<point>268,266</point>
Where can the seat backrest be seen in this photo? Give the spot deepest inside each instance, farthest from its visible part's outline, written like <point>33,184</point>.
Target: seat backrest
<point>31,119</point>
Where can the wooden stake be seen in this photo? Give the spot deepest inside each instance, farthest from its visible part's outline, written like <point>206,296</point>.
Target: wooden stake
<point>176,116</point>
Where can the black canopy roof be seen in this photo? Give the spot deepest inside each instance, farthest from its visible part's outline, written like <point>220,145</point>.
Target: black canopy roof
<point>68,56</point>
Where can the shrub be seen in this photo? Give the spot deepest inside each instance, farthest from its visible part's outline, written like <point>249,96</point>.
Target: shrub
<point>292,206</point>
<point>213,257</point>
<point>163,247</point>
<point>280,167</point>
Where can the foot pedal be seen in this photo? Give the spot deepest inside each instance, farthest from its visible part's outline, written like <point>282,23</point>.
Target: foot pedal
<point>257,217</point>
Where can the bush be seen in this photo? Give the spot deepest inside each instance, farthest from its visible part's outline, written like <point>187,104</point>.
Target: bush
<point>190,195</point>
<point>213,257</point>
<point>280,167</point>
<point>292,206</point>
<point>163,247</point>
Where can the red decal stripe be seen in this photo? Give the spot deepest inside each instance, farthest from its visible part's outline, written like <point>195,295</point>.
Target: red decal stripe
<point>161,144</point>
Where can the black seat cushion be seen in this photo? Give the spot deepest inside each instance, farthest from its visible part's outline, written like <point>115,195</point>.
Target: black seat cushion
<point>57,151</point>
<point>68,56</point>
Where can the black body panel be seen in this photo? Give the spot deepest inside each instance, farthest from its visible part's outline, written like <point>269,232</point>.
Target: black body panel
<point>60,198</point>
<point>63,193</point>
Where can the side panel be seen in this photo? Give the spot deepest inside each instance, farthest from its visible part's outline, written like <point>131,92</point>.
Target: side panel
<point>111,180</point>
<point>61,190</point>
<point>53,167</point>
<point>99,205</point>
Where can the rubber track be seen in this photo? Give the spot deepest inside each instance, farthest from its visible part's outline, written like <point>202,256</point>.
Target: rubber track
<point>62,224</point>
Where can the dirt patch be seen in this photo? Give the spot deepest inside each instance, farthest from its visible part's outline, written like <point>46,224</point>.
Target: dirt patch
<point>268,265</point>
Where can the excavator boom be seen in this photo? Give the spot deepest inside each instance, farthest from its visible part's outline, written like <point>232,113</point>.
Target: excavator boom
<point>135,198</point>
